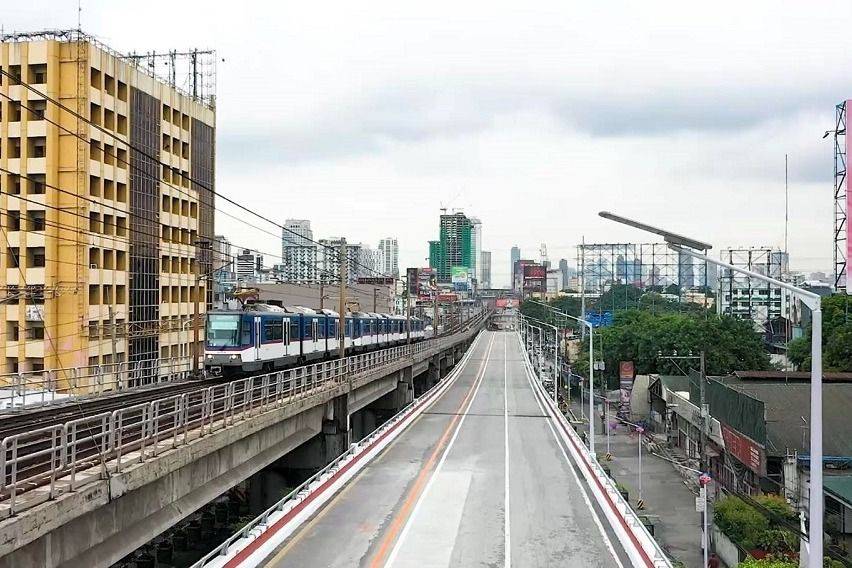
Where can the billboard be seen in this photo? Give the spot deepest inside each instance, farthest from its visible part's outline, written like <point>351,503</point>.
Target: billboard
<point>427,282</point>
<point>460,277</point>
<point>744,449</point>
<point>506,303</point>
<point>412,278</point>
<point>535,271</point>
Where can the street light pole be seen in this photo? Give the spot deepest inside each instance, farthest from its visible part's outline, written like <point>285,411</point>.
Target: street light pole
<point>555,354</point>
<point>813,301</point>
<point>591,372</point>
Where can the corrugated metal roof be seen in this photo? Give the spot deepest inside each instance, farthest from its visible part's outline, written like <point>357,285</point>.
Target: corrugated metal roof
<point>788,414</point>
<point>839,487</point>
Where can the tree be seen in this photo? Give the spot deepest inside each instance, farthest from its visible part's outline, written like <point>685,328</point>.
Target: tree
<point>636,335</point>
<point>836,337</point>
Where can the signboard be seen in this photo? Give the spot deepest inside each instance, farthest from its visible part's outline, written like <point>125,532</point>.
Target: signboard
<point>427,282</point>
<point>744,449</point>
<point>413,279</point>
<point>535,271</point>
<point>506,303</point>
<point>626,370</point>
<point>448,298</point>
<point>376,280</point>
<point>460,277</point>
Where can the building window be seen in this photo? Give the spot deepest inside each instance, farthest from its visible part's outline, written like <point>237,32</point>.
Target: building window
<point>13,184</point>
<point>96,79</point>
<point>120,260</point>
<point>37,147</point>
<point>109,259</point>
<point>122,91</point>
<point>14,147</point>
<point>94,294</point>
<point>95,113</point>
<point>13,257</point>
<point>94,223</point>
<point>36,184</point>
<point>14,111</point>
<point>94,186</point>
<point>121,124</point>
<point>35,257</point>
<point>15,72</point>
<point>35,330</point>
<point>37,73</point>
<point>109,189</point>
<point>13,331</point>
<point>94,257</point>
<point>13,220</point>
<point>109,85</point>
<point>121,192</point>
<point>37,109</point>
<point>36,220</point>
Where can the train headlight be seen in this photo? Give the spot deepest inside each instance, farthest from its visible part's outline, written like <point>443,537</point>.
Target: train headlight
<point>209,357</point>
<point>233,357</point>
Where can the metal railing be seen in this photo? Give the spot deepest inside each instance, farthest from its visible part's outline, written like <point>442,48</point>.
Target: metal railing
<point>33,389</point>
<point>64,456</point>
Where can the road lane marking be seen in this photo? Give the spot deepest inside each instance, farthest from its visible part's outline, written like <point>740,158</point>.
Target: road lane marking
<point>586,499</point>
<point>507,528</point>
<point>402,521</point>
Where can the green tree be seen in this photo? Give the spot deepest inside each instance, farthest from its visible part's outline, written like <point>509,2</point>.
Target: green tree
<point>836,337</point>
<point>640,336</point>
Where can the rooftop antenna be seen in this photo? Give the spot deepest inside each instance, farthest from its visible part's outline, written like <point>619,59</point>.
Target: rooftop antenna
<point>79,15</point>
<point>786,204</point>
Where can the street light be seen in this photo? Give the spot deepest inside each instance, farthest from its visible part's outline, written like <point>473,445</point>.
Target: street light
<point>555,356</point>
<point>815,503</point>
<point>591,371</point>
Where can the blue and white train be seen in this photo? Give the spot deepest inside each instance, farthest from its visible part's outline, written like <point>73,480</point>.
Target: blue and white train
<point>263,337</point>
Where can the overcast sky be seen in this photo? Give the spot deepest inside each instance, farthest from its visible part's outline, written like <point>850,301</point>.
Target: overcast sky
<point>366,117</point>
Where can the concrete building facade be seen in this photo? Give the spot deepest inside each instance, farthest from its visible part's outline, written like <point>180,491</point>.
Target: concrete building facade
<point>485,270</point>
<point>107,177</point>
<point>390,251</point>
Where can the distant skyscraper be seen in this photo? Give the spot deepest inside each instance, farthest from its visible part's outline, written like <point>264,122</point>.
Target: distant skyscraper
<point>298,253</point>
<point>514,257</point>
<point>390,250</point>
<point>328,260</point>
<point>476,244</point>
<point>248,265</point>
<point>455,247</point>
<point>563,268</point>
<point>485,269</point>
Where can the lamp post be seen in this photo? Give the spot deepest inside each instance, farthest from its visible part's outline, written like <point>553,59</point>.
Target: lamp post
<point>689,247</point>
<point>591,371</point>
<point>555,355</point>
<point>703,480</point>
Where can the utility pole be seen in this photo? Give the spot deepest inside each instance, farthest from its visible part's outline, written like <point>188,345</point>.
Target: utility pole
<point>435,312</point>
<point>342,304</point>
<point>195,312</point>
<point>407,311</point>
<point>701,391</point>
<point>375,294</point>
<point>322,295</point>
<point>583,286</point>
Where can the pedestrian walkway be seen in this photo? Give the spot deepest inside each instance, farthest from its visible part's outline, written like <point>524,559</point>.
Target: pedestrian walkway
<point>669,503</point>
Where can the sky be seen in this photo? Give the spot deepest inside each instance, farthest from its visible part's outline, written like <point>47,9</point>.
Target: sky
<point>368,117</point>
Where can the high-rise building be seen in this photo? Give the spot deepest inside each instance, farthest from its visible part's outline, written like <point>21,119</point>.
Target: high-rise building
<point>514,257</point>
<point>390,250</point>
<point>328,260</point>
<point>249,266</point>
<point>455,247</point>
<point>476,244</point>
<point>747,298</point>
<point>371,262</point>
<point>485,270</point>
<point>563,268</point>
<point>298,252</point>
<point>106,248</point>
<point>297,233</point>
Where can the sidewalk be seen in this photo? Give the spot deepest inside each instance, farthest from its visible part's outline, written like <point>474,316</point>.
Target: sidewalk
<point>668,501</point>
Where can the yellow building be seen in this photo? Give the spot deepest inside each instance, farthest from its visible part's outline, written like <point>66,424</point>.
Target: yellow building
<point>106,175</point>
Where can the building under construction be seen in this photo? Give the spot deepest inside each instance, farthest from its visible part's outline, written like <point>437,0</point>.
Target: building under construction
<point>108,175</point>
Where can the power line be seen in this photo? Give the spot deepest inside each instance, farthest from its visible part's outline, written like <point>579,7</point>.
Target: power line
<point>181,174</point>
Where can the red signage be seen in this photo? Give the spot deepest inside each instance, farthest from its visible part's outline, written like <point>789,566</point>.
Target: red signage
<point>448,297</point>
<point>534,272</point>
<point>505,303</point>
<point>744,449</point>
<point>626,370</point>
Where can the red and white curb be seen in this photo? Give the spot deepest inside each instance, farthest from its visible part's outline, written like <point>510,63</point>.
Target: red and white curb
<point>640,547</point>
<point>261,541</point>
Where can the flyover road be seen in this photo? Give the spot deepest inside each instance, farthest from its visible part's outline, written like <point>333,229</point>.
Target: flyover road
<point>480,479</point>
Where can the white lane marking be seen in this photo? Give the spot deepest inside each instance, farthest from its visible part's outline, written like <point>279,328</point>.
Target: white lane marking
<point>438,522</point>
<point>507,528</point>
<point>574,473</point>
<point>402,535</point>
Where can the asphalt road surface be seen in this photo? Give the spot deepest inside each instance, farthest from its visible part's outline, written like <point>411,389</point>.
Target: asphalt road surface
<point>479,479</point>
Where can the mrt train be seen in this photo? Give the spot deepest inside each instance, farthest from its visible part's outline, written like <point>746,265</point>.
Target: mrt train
<point>264,337</point>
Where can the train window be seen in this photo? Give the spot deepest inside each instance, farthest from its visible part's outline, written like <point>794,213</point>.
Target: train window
<point>294,329</point>
<point>273,330</point>
<point>223,330</point>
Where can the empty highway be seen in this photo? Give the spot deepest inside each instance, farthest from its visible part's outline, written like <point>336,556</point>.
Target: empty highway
<point>479,479</point>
